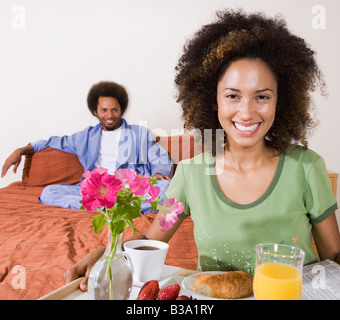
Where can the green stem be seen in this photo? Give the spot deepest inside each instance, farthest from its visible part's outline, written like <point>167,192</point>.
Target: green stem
<point>104,213</point>
<point>114,241</point>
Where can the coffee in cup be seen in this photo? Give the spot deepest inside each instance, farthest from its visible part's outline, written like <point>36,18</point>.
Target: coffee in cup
<point>147,258</point>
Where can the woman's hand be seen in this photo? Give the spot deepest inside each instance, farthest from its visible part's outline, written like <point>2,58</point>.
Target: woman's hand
<point>83,268</point>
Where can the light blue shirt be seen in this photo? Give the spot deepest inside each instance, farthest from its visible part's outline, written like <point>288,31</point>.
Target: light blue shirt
<point>138,149</point>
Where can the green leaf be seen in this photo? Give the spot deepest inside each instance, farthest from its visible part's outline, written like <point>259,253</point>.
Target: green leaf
<point>98,222</point>
<point>154,204</point>
<point>81,206</point>
<point>117,227</point>
<point>127,210</point>
<point>129,223</point>
<point>137,205</point>
<point>153,180</point>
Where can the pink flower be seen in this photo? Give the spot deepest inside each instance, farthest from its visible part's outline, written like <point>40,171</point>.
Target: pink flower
<point>153,193</point>
<point>99,189</point>
<point>140,185</point>
<point>125,176</point>
<point>171,209</point>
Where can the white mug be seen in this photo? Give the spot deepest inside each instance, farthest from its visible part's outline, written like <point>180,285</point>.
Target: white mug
<point>147,258</point>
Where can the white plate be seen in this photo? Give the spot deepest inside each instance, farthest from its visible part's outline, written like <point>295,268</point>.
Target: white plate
<point>188,285</point>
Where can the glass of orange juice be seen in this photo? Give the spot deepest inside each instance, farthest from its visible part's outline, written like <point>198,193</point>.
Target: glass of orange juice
<point>278,272</point>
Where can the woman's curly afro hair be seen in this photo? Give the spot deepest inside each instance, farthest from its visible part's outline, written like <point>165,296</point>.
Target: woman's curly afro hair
<point>107,89</point>
<point>236,35</point>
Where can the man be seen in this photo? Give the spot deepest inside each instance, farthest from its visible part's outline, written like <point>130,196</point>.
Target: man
<point>111,144</point>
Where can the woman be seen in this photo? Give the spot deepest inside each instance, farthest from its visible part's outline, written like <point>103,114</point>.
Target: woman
<point>249,76</point>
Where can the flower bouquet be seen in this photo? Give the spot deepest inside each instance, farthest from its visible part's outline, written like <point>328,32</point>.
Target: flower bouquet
<point>118,200</point>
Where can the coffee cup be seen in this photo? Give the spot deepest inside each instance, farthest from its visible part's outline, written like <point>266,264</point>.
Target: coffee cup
<point>147,258</point>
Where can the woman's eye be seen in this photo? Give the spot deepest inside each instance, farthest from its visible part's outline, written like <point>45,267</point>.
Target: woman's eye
<point>262,97</point>
<point>232,96</point>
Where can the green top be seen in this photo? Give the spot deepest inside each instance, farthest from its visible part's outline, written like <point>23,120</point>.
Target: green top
<point>226,232</point>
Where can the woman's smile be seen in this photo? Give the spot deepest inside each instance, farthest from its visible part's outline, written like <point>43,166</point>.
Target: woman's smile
<point>246,129</point>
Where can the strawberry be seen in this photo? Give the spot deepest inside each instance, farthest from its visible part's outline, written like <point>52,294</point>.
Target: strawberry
<point>183,297</point>
<point>169,293</point>
<point>149,290</point>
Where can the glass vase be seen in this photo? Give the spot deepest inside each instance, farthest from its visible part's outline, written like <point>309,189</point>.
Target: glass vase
<point>99,280</point>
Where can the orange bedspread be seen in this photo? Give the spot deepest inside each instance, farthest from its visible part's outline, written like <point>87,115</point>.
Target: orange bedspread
<point>44,240</point>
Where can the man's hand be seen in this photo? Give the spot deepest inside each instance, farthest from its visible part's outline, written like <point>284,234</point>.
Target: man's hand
<point>15,158</point>
<point>161,176</point>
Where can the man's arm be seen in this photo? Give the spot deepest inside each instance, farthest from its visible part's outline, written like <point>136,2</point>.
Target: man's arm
<point>15,158</point>
<point>159,159</point>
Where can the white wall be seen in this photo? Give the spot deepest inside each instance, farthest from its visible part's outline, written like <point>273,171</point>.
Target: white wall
<point>53,51</point>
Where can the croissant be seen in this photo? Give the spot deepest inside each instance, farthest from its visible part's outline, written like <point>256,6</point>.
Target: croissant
<point>229,285</point>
